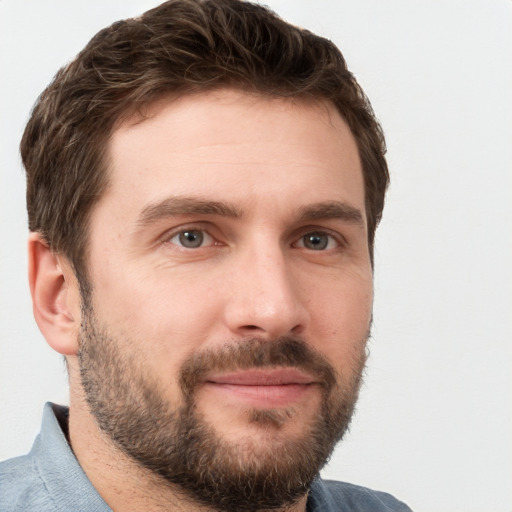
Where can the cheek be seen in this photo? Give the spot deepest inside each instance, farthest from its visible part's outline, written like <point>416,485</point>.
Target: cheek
<point>156,324</point>
<point>350,311</point>
<point>341,314</point>
<point>165,312</point>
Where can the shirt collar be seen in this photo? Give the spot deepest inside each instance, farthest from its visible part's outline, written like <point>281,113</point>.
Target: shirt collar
<point>67,484</point>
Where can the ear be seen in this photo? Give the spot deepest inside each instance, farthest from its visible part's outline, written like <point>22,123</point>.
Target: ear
<point>55,296</point>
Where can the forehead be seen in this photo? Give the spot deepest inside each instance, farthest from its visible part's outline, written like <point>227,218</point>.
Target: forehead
<point>240,145</point>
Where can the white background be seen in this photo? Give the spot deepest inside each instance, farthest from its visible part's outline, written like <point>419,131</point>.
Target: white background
<point>434,421</point>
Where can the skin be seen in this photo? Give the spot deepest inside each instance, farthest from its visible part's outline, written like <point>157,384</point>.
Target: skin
<point>272,162</point>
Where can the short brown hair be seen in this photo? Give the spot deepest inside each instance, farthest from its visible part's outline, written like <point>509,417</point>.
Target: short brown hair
<point>179,47</point>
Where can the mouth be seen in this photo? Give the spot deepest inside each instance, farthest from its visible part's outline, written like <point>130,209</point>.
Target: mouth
<point>265,388</point>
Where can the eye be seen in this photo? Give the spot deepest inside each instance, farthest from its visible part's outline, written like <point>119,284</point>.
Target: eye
<point>317,241</point>
<point>192,238</point>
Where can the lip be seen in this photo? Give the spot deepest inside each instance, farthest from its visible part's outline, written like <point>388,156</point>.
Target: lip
<point>267,377</point>
<point>272,388</point>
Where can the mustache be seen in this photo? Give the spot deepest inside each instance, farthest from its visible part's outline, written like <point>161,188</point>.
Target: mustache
<point>256,353</point>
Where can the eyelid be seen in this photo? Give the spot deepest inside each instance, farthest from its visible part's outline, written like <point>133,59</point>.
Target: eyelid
<point>171,233</point>
<point>168,235</point>
<point>338,237</point>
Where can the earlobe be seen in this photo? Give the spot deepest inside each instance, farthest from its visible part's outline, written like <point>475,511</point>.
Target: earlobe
<point>55,296</point>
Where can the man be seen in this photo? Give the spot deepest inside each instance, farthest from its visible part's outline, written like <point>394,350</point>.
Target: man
<point>203,186</point>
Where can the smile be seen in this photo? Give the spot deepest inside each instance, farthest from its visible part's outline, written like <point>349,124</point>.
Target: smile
<point>263,388</point>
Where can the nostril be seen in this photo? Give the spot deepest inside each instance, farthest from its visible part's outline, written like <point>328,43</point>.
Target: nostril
<point>252,327</point>
<point>297,330</point>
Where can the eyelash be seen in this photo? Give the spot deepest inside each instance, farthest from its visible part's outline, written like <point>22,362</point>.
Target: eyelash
<point>311,231</point>
<point>191,230</point>
<point>320,233</point>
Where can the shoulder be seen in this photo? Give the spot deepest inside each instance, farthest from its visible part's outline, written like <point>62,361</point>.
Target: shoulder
<point>331,496</point>
<point>49,478</point>
<point>22,488</point>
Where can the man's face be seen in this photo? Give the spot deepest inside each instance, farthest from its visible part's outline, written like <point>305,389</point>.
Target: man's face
<point>231,294</point>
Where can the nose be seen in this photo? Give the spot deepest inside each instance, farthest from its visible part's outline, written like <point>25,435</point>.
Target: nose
<point>265,299</point>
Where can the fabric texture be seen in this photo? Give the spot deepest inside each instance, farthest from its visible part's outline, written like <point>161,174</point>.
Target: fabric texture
<point>50,479</point>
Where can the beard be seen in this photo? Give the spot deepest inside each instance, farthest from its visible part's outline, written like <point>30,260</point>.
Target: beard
<point>178,444</point>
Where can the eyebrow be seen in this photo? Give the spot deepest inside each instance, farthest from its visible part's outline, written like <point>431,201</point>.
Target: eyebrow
<point>176,206</point>
<point>332,210</point>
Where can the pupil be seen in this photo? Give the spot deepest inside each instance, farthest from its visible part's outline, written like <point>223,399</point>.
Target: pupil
<point>191,238</point>
<point>316,241</point>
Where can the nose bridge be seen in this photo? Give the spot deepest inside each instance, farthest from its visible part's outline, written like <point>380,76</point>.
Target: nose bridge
<point>265,299</point>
